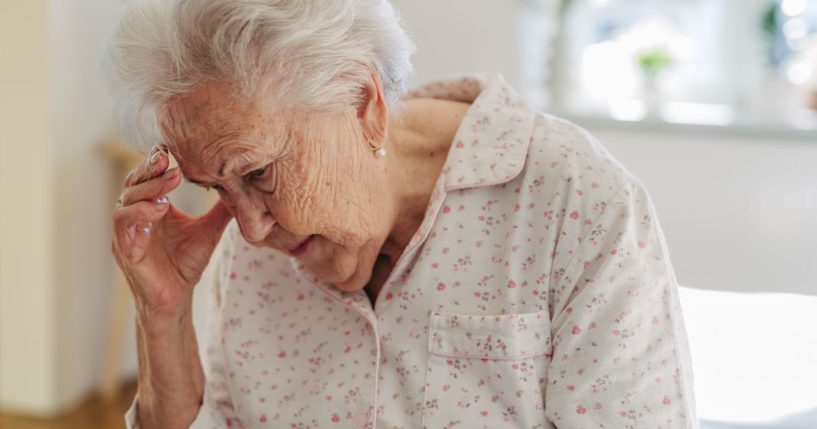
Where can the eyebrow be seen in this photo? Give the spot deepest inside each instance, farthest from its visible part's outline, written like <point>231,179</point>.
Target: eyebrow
<point>220,174</point>
<point>196,182</point>
<point>204,184</point>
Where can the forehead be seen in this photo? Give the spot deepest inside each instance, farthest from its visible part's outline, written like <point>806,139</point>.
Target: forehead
<point>208,110</point>
<point>200,125</point>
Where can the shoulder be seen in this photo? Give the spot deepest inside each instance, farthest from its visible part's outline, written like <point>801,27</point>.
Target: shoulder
<point>570,180</point>
<point>567,159</point>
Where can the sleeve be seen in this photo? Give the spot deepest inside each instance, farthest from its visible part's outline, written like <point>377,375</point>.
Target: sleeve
<point>216,411</point>
<point>132,415</point>
<point>620,357</point>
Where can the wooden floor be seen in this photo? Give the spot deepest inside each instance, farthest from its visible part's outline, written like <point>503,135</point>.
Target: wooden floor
<point>92,414</point>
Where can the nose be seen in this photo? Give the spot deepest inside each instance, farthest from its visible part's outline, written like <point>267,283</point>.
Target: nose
<point>254,220</point>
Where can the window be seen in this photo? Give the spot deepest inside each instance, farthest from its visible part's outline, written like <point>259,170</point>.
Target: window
<point>692,61</point>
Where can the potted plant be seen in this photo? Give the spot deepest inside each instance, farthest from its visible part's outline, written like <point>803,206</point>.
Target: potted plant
<point>651,63</point>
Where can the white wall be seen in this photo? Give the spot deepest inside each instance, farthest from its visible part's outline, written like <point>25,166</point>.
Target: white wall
<point>28,353</point>
<point>462,36</point>
<point>81,112</point>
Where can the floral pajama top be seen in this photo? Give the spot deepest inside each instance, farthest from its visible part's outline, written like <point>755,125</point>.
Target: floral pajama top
<point>537,293</point>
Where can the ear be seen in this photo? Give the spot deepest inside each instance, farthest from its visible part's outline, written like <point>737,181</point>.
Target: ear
<point>372,111</point>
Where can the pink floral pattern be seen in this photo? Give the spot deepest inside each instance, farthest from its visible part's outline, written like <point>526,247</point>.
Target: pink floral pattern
<point>537,293</point>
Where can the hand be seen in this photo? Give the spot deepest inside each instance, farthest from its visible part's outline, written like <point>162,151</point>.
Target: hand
<point>161,250</point>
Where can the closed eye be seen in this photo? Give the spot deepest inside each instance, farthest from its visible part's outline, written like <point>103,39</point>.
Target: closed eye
<point>252,175</point>
<point>257,173</point>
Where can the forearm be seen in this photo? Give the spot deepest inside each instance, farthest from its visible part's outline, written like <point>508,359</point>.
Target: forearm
<point>171,379</point>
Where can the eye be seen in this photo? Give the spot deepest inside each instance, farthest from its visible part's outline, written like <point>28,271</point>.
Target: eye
<point>257,173</point>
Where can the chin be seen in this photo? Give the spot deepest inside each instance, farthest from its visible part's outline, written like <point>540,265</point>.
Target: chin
<point>348,281</point>
<point>347,269</point>
<point>344,273</point>
<point>348,286</point>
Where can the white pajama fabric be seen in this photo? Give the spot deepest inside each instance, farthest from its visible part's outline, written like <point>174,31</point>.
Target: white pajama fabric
<point>537,293</point>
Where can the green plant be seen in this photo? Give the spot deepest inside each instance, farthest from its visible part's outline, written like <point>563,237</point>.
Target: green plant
<point>652,62</point>
<point>770,27</point>
<point>769,21</point>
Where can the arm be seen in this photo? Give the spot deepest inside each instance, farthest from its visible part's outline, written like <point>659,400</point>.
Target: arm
<point>171,379</point>
<point>620,357</point>
<point>213,409</point>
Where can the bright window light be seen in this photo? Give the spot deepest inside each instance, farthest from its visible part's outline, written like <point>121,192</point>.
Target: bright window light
<point>607,72</point>
<point>798,73</point>
<point>687,62</point>
<point>795,28</point>
<point>697,113</point>
<point>794,7</point>
<point>628,110</point>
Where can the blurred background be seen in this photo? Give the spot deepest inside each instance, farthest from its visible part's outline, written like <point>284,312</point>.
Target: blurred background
<point>711,103</point>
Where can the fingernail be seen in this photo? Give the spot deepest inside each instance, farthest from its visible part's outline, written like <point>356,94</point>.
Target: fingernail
<point>154,157</point>
<point>162,200</point>
<point>147,228</point>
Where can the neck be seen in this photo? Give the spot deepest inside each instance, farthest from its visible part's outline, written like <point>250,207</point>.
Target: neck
<point>418,140</point>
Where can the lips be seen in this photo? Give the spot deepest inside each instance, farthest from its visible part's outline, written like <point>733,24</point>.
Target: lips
<point>301,247</point>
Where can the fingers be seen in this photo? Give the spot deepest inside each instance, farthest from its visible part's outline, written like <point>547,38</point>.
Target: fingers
<point>133,226</point>
<point>156,162</point>
<point>152,188</point>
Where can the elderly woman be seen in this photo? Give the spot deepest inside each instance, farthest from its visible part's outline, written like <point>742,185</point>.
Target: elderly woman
<point>442,257</point>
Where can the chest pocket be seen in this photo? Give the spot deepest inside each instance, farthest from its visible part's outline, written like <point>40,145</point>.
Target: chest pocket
<point>487,371</point>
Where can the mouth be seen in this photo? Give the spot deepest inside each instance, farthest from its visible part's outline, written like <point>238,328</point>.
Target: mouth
<point>301,248</point>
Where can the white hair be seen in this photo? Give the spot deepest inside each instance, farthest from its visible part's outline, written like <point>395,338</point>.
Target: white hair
<point>315,54</point>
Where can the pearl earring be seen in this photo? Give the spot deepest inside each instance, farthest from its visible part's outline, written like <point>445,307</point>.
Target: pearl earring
<point>379,151</point>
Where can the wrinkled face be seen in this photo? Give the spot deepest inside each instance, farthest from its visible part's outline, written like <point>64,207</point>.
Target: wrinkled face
<point>305,184</point>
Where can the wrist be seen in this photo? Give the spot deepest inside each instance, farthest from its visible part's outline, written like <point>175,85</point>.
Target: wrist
<point>157,321</point>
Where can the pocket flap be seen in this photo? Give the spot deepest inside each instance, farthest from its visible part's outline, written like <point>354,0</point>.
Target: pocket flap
<point>512,336</point>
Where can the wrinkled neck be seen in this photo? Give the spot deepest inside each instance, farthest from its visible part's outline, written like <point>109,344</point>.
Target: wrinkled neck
<point>418,140</point>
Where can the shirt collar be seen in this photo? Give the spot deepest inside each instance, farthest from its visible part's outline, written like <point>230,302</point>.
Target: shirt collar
<point>492,141</point>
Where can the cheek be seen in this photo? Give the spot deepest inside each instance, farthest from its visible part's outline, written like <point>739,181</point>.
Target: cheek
<point>329,182</point>
<point>308,183</point>
<point>293,201</point>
